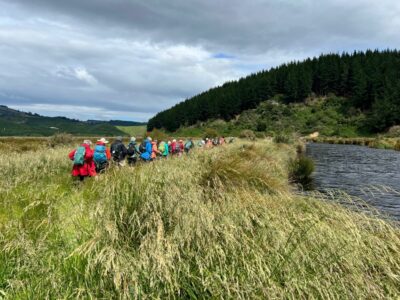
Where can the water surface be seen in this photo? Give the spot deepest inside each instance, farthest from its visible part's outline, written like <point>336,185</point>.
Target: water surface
<point>371,174</point>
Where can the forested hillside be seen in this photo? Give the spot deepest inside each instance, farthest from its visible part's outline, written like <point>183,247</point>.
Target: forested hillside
<point>369,81</point>
<point>17,123</point>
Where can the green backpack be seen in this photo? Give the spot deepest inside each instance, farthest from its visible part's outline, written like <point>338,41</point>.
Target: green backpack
<point>161,147</point>
<point>79,157</point>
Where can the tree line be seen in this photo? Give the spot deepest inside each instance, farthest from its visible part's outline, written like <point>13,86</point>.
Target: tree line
<point>369,80</point>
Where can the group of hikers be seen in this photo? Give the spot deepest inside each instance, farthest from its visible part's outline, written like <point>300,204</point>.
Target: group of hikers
<point>89,162</point>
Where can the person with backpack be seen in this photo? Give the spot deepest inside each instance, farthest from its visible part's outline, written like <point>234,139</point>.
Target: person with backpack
<point>148,150</point>
<point>201,143</point>
<point>188,145</point>
<point>166,151</point>
<point>82,157</point>
<point>181,147</point>
<point>169,147</point>
<point>209,144</point>
<point>102,155</point>
<point>155,152</point>
<point>174,146</point>
<point>163,148</point>
<point>133,152</point>
<point>118,151</point>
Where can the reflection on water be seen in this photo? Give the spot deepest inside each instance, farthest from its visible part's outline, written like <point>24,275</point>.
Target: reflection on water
<point>371,174</point>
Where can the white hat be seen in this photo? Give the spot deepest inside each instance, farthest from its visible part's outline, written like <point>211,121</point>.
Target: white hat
<point>87,142</point>
<point>149,138</point>
<point>103,140</point>
<point>133,139</point>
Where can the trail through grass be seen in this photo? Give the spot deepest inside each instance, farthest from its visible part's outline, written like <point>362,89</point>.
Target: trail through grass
<point>221,224</point>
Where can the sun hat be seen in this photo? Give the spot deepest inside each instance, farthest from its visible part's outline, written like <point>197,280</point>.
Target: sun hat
<point>133,139</point>
<point>149,138</point>
<point>118,138</point>
<point>87,142</point>
<point>103,140</point>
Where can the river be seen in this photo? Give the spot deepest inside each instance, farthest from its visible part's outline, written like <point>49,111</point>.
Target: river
<point>370,174</point>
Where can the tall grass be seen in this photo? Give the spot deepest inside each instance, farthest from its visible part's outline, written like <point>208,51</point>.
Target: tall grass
<point>216,224</point>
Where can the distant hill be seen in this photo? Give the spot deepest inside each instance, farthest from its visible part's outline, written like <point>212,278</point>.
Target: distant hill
<point>368,83</point>
<point>17,123</point>
<point>118,123</point>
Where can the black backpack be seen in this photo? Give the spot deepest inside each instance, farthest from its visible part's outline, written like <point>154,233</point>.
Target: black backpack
<point>142,147</point>
<point>132,149</point>
<point>116,151</point>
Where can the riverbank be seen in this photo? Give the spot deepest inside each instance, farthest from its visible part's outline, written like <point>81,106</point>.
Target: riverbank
<point>376,142</point>
<point>223,223</point>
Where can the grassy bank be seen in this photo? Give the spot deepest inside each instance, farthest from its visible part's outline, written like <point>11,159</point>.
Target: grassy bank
<point>222,223</point>
<point>376,142</point>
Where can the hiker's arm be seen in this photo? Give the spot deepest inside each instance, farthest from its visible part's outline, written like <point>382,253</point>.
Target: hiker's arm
<point>72,154</point>
<point>108,154</point>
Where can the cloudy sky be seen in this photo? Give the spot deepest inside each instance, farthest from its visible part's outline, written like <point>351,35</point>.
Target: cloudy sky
<point>129,59</point>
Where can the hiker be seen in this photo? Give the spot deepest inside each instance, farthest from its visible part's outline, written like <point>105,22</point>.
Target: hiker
<point>102,155</point>
<point>154,152</point>
<point>163,148</point>
<point>208,143</point>
<point>174,148</point>
<point>166,150</point>
<point>133,152</point>
<point>181,147</point>
<point>201,143</point>
<point>169,147</point>
<point>83,161</point>
<point>147,150</point>
<point>188,145</point>
<point>221,140</point>
<point>118,151</point>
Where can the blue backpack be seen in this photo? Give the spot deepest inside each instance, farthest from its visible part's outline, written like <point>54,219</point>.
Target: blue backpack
<point>100,154</point>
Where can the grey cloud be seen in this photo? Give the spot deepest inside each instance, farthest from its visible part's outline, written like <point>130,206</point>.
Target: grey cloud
<point>136,57</point>
<point>252,25</point>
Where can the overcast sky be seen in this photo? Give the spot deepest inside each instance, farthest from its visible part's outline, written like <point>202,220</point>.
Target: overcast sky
<point>129,59</point>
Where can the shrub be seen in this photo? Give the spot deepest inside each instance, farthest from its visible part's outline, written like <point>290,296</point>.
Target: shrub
<point>394,131</point>
<point>60,139</point>
<point>282,139</point>
<point>261,126</point>
<point>247,134</point>
<point>260,135</point>
<point>157,134</point>
<point>300,170</point>
<point>300,148</point>
<point>210,133</point>
<point>397,146</point>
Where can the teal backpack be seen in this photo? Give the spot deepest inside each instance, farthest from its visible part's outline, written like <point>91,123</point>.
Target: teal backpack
<point>188,145</point>
<point>79,157</point>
